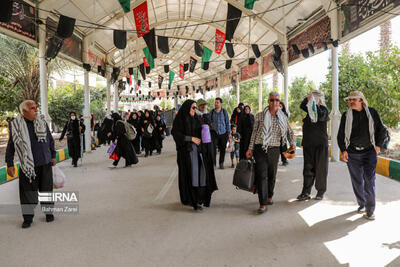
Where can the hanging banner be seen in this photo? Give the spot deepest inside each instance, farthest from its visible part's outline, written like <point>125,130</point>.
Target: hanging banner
<point>250,71</point>
<point>150,59</point>
<point>193,63</point>
<point>22,20</point>
<point>181,72</point>
<point>268,65</point>
<point>219,41</point>
<point>212,83</point>
<point>160,81</point>
<point>71,47</point>
<point>95,60</point>
<point>229,78</point>
<point>315,34</point>
<point>358,13</point>
<point>126,5</point>
<point>206,56</point>
<point>141,19</point>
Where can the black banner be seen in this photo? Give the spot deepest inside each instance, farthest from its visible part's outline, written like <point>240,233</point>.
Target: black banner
<point>72,46</point>
<point>355,12</point>
<point>22,20</point>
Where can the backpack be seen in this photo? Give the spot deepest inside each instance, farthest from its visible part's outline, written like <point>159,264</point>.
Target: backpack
<point>130,131</point>
<point>148,132</point>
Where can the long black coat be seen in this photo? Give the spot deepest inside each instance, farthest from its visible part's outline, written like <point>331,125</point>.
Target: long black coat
<point>158,133</point>
<point>124,147</point>
<point>71,129</point>
<point>245,130</point>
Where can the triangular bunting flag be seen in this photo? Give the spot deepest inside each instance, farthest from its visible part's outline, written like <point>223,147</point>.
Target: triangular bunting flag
<point>142,71</point>
<point>249,4</point>
<point>233,19</point>
<point>198,49</point>
<point>193,63</point>
<point>160,80</point>
<point>229,50</point>
<point>181,72</point>
<point>219,41</point>
<point>206,56</point>
<point>171,77</point>
<point>163,44</point>
<point>141,19</point>
<point>256,51</point>
<point>150,39</point>
<point>126,5</point>
<point>149,58</point>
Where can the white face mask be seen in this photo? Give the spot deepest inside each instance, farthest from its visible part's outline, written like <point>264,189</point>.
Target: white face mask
<point>73,117</point>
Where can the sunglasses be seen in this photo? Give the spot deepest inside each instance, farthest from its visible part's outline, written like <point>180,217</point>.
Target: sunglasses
<point>274,100</point>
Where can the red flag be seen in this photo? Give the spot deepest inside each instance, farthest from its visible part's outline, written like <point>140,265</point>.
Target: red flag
<point>181,72</point>
<point>219,41</point>
<point>141,19</point>
<point>146,63</point>
<point>129,78</point>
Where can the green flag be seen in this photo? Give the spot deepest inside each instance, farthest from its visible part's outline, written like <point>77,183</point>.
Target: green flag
<point>249,4</point>
<point>206,56</point>
<point>149,58</point>
<point>136,75</point>
<point>171,77</point>
<point>126,5</point>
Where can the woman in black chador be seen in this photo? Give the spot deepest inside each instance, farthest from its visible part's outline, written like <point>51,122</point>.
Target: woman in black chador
<point>134,121</point>
<point>195,187</point>
<point>148,133</point>
<point>73,131</point>
<point>245,130</point>
<point>159,133</point>
<point>124,147</point>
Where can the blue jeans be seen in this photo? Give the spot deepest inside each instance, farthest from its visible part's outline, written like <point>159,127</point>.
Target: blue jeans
<point>362,168</point>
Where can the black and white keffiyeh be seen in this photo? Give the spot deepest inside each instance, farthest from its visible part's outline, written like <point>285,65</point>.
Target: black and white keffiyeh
<point>267,129</point>
<point>22,142</point>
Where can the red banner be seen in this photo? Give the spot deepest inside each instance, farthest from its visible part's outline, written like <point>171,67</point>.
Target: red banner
<point>267,64</point>
<point>181,72</point>
<point>146,63</point>
<point>219,41</point>
<point>250,71</point>
<point>141,19</point>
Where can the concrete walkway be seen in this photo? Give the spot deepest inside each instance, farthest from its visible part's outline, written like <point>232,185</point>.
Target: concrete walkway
<point>133,217</point>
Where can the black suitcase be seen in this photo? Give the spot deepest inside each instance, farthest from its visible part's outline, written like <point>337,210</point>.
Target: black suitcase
<point>244,176</point>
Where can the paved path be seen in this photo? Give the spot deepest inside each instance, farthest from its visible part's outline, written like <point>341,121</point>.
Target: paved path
<point>133,217</point>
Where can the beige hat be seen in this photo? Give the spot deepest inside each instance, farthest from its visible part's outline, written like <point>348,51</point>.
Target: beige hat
<point>357,95</point>
<point>201,101</point>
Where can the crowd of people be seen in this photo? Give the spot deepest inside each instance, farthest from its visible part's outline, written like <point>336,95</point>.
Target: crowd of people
<point>266,137</point>
<point>199,135</point>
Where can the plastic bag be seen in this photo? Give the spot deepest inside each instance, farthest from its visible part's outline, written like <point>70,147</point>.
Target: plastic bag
<point>58,177</point>
<point>111,148</point>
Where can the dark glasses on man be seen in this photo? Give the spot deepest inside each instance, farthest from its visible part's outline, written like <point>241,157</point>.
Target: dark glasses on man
<point>274,100</point>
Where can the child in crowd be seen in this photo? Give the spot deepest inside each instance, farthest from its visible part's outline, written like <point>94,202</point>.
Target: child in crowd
<point>235,144</point>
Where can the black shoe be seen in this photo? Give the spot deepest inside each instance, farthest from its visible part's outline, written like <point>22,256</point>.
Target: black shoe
<point>221,166</point>
<point>26,224</point>
<point>319,196</point>
<point>361,209</point>
<point>303,197</point>
<point>261,211</point>
<point>75,165</point>
<point>198,208</point>
<point>285,163</point>
<point>49,217</point>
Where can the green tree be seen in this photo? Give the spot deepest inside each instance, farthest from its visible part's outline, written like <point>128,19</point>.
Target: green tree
<point>298,90</point>
<point>166,104</point>
<point>376,75</point>
<point>64,100</point>
<point>10,98</point>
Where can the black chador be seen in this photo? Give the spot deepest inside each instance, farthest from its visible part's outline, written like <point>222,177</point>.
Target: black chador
<point>73,130</point>
<point>193,179</point>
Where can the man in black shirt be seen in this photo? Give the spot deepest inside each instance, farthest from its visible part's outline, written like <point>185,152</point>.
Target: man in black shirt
<point>360,136</point>
<point>31,139</point>
<point>315,145</point>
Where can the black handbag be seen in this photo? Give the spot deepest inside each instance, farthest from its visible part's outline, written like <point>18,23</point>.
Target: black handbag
<point>244,176</point>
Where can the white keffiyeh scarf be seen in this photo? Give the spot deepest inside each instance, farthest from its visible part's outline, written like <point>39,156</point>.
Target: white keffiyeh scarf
<point>349,125</point>
<point>22,142</point>
<point>267,130</point>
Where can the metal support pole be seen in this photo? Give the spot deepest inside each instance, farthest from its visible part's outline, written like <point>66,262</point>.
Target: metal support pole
<point>108,94</point>
<point>116,97</point>
<point>260,86</point>
<point>86,115</point>
<point>335,113</point>
<point>43,75</point>
<point>237,88</point>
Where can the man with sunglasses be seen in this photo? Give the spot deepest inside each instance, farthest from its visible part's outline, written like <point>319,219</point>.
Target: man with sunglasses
<point>270,126</point>
<point>361,134</point>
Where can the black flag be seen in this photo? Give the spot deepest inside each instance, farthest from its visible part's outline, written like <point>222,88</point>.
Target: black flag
<point>256,51</point>
<point>148,69</point>
<point>193,63</point>
<point>232,22</point>
<point>150,39</point>
<point>166,68</point>
<point>206,65</point>
<point>198,49</point>
<point>163,44</point>
<point>160,80</point>
<point>142,71</point>
<point>186,67</point>
<point>229,49</point>
<point>228,64</point>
